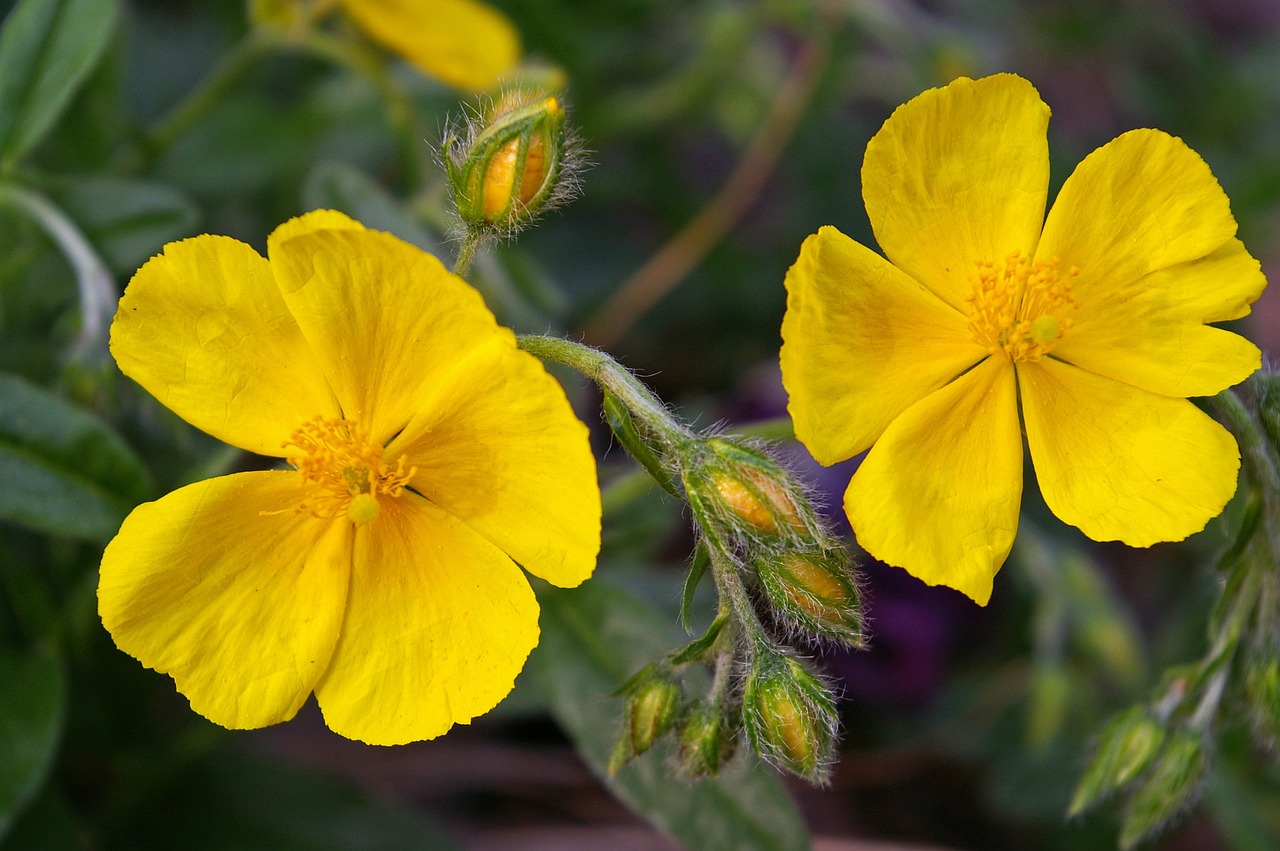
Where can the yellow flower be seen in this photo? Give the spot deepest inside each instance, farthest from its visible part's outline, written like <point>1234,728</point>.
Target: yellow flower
<point>1091,321</point>
<point>429,456</point>
<point>465,43</point>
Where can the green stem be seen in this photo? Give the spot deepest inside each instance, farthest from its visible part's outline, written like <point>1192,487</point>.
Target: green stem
<point>612,376</point>
<point>96,286</point>
<point>259,43</point>
<point>222,79</point>
<point>467,254</point>
<point>408,133</point>
<point>778,428</point>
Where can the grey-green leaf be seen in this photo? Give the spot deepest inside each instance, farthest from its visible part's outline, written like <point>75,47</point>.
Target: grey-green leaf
<point>47,50</point>
<point>32,709</point>
<point>128,221</point>
<point>592,638</point>
<point>65,471</point>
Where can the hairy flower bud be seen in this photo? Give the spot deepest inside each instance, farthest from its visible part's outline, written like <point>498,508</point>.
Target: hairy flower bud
<point>706,742</point>
<point>790,716</point>
<point>653,707</point>
<point>814,591</point>
<point>751,492</point>
<point>1126,746</point>
<point>511,164</point>
<point>1169,788</point>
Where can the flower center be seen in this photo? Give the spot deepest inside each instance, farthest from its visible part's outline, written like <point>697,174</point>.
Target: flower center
<point>343,470</point>
<point>1021,308</point>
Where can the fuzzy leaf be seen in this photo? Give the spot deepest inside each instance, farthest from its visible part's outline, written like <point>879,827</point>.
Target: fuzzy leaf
<point>47,49</point>
<point>65,471</point>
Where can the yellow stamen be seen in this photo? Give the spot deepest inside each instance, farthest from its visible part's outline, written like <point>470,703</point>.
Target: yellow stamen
<point>343,470</point>
<point>1021,308</point>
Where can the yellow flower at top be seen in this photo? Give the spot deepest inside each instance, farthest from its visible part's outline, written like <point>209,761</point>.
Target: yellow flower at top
<point>1091,321</point>
<point>427,457</point>
<point>464,43</point>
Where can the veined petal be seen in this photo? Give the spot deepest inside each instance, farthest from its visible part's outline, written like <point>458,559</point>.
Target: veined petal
<point>1150,333</point>
<point>384,319</point>
<point>497,445</point>
<point>959,175</point>
<point>311,222</point>
<point>861,342</point>
<point>1141,203</point>
<point>940,491</point>
<point>241,609</point>
<point>438,625</point>
<point>467,44</point>
<point>203,328</point>
<point>1120,463</point>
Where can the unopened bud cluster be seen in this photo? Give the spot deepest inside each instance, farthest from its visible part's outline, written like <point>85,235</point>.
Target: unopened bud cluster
<point>783,579</point>
<point>510,163</point>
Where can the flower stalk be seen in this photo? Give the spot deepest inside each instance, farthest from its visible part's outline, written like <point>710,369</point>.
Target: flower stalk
<point>781,576</point>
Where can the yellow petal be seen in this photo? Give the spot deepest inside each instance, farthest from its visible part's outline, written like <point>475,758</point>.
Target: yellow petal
<point>242,610</point>
<point>497,445</point>
<point>309,223</point>
<point>467,44</point>
<point>1150,332</point>
<point>958,175</point>
<point>861,342</point>
<point>204,329</point>
<point>438,625</point>
<point>1120,463</point>
<point>1142,202</point>
<point>384,319</point>
<point>939,493</point>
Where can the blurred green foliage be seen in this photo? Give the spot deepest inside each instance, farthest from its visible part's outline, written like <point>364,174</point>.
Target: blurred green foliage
<point>125,124</point>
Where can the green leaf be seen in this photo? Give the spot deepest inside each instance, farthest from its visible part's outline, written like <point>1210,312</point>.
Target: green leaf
<point>232,801</point>
<point>128,221</point>
<point>592,638</point>
<point>336,186</point>
<point>32,709</point>
<point>47,49</point>
<point>624,428</point>
<point>64,471</point>
<point>701,561</point>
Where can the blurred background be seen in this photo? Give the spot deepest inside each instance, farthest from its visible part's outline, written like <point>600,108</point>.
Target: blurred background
<point>720,134</point>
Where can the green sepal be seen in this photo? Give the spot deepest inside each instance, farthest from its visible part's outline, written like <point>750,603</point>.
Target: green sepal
<point>698,569</point>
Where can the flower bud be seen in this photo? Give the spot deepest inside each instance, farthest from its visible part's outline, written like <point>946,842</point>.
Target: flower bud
<point>1262,691</point>
<point>1126,745</point>
<point>706,742</point>
<point>790,716</point>
<point>1170,787</point>
<point>653,705</point>
<point>813,591</point>
<point>1268,389</point>
<point>512,166</point>
<point>751,489</point>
